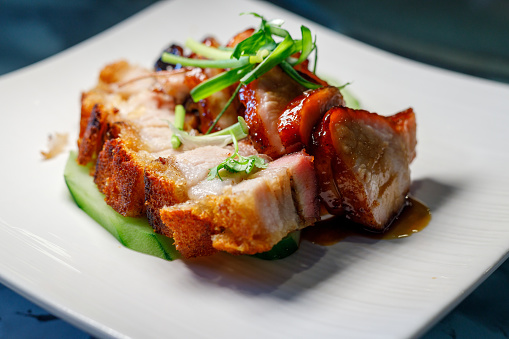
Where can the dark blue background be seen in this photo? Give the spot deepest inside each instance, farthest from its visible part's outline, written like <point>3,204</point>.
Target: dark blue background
<point>471,37</point>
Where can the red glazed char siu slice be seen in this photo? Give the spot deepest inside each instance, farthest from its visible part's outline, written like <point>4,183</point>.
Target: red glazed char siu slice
<point>362,162</point>
<point>302,114</point>
<point>265,100</point>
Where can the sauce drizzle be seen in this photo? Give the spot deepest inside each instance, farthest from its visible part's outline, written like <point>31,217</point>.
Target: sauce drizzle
<point>414,217</point>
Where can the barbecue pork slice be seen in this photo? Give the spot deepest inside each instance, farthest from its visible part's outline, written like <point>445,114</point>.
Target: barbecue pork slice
<point>265,100</point>
<point>362,163</point>
<point>296,123</point>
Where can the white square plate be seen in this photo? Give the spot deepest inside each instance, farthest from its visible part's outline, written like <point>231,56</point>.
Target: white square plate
<point>55,255</point>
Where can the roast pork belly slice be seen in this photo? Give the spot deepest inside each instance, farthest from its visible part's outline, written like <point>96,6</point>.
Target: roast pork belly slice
<point>250,216</point>
<point>119,169</point>
<point>124,126</point>
<point>170,180</point>
<point>369,158</point>
<point>124,93</point>
<point>119,175</point>
<point>182,176</point>
<point>265,100</point>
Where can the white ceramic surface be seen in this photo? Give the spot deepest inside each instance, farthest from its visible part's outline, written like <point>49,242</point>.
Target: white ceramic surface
<point>55,255</point>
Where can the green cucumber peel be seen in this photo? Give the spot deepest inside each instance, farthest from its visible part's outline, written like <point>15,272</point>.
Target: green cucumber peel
<point>287,246</point>
<point>133,233</point>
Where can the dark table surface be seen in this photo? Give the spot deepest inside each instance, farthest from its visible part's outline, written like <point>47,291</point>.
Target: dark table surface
<point>467,36</point>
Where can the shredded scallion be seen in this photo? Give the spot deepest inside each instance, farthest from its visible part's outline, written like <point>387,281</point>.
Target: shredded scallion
<point>220,138</point>
<point>180,116</point>
<point>249,60</point>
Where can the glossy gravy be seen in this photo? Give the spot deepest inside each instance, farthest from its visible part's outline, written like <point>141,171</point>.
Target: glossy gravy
<point>414,217</point>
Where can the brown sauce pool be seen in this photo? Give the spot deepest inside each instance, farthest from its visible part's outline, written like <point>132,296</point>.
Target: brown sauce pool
<point>414,217</point>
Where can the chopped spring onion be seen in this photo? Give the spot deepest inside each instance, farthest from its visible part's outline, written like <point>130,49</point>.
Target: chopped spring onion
<point>282,51</point>
<point>297,77</point>
<point>180,115</point>
<point>207,51</point>
<point>219,82</point>
<point>250,46</point>
<point>221,138</point>
<point>307,44</point>
<point>316,57</point>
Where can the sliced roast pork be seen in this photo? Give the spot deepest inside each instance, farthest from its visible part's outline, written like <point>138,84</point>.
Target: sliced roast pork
<point>303,113</point>
<point>362,162</point>
<point>250,216</point>
<point>265,100</point>
<point>182,176</point>
<point>140,173</point>
<point>359,162</point>
<point>124,125</point>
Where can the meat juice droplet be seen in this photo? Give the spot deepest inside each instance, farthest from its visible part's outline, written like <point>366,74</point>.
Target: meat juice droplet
<point>414,217</point>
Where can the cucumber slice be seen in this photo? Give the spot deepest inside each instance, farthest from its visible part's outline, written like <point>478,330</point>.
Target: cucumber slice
<point>287,246</point>
<point>350,100</point>
<point>136,233</point>
<point>133,233</point>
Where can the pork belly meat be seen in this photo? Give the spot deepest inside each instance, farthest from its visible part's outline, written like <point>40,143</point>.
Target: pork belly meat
<point>178,178</point>
<point>250,216</point>
<point>362,162</point>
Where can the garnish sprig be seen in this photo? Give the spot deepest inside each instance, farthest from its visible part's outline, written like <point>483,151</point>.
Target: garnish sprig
<point>180,115</point>
<point>221,138</point>
<point>237,163</point>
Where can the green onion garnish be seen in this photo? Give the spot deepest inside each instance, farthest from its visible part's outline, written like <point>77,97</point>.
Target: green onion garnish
<point>219,82</point>
<point>204,63</point>
<point>297,77</point>
<point>249,60</point>
<point>237,163</point>
<point>307,44</point>
<point>180,115</point>
<point>220,138</point>
<point>207,51</point>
